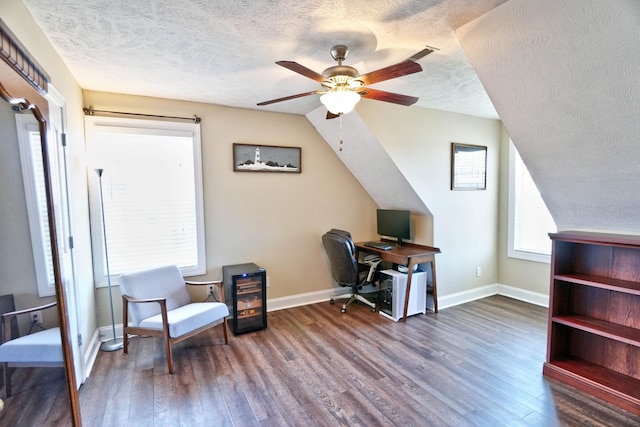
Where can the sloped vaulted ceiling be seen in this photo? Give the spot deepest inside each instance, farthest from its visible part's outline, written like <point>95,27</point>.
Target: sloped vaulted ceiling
<point>564,77</point>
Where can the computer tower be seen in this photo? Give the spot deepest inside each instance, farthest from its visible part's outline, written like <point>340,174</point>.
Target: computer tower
<point>245,291</point>
<point>393,285</point>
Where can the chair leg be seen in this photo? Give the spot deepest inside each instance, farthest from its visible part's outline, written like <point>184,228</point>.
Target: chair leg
<point>7,380</point>
<point>226,331</point>
<point>351,299</point>
<point>125,322</point>
<point>356,297</point>
<point>366,301</point>
<point>167,349</point>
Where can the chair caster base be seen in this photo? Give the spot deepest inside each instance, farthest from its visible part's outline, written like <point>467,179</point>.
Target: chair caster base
<point>343,310</point>
<point>332,301</point>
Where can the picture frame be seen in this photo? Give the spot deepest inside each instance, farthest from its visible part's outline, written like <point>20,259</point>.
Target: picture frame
<point>468,167</point>
<point>266,158</point>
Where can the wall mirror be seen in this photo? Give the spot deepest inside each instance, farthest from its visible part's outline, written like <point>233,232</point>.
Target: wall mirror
<point>468,167</point>
<point>53,396</point>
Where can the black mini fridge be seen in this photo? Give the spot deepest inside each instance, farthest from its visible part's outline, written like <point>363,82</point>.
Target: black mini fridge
<point>245,290</point>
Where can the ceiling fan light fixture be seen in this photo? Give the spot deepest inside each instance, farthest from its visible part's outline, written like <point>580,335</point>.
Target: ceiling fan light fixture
<point>340,101</point>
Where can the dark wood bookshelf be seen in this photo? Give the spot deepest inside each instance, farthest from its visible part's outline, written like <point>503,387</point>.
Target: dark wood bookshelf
<point>594,315</point>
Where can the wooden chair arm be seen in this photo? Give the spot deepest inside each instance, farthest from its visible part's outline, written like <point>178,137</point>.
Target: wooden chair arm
<point>127,298</point>
<point>209,282</point>
<point>217,283</point>
<point>163,308</point>
<point>7,316</point>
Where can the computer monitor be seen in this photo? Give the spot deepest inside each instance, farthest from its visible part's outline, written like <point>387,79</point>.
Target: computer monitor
<point>394,223</point>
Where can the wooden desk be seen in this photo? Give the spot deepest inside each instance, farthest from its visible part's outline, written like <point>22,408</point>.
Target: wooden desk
<point>408,254</point>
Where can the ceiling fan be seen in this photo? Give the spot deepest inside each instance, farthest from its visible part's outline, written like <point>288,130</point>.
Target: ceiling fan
<point>343,86</point>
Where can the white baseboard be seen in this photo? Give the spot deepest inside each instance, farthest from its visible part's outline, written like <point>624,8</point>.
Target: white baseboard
<point>489,290</point>
<point>91,354</point>
<point>535,298</point>
<point>458,298</point>
<point>105,333</point>
<point>302,299</point>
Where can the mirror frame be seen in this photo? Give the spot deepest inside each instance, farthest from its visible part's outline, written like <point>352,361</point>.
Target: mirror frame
<point>23,84</point>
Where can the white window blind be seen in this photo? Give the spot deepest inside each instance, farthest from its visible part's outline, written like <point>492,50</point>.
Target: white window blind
<point>529,219</point>
<point>36,200</point>
<point>152,192</point>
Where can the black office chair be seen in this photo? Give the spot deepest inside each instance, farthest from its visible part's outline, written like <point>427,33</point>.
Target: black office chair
<point>346,270</point>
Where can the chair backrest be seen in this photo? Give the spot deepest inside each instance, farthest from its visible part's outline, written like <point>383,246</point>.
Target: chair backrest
<point>7,305</point>
<point>162,282</point>
<point>340,250</point>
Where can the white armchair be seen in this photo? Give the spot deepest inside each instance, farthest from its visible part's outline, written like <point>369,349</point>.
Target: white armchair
<point>159,305</point>
<point>38,349</point>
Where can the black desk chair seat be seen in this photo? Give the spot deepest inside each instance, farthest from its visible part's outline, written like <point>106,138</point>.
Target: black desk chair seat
<point>345,269</point>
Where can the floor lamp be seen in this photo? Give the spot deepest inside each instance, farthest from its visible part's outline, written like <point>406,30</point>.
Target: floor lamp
<point>114,343</point>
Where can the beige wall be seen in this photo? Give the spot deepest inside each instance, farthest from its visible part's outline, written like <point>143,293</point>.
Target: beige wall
<point>274,220</point>
<point>16,255</point>
<point>522,274</point>
<point>464,222</point>
<point>18,19</point>
<point>293,211</point>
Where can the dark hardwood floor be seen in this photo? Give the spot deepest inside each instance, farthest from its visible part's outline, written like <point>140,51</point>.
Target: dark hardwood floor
<point>471,365</point>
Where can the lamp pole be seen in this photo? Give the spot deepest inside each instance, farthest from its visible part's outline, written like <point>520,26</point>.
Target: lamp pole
<point>114,343</point>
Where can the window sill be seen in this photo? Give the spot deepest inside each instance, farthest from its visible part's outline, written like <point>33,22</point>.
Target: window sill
<point>530,256</point>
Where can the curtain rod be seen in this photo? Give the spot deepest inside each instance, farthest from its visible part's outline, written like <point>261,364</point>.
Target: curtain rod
<point>90,111</point>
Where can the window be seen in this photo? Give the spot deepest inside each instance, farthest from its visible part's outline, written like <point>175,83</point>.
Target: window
<point>152,193</point>
<point>36,199</point>
<point>529,219</point>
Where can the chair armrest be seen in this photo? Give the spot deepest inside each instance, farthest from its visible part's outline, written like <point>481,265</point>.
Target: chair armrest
<point>208,282</point>
<point>9,315</point>
<point>127,298</point>
<point>217,283</point>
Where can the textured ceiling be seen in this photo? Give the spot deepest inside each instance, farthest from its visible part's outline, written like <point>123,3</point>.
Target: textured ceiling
<point>224,51</point>
<point>564,77</point>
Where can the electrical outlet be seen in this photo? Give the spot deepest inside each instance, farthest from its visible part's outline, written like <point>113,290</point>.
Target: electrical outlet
<point>478,271</point>
<point>268,281</point>
<point>36,317</point>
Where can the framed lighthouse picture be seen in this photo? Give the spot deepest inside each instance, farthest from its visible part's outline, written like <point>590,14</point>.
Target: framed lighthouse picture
<point>266,158</point>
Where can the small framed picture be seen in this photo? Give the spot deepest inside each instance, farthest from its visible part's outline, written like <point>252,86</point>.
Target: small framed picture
<point>266,158</point>
<point>468,167</point>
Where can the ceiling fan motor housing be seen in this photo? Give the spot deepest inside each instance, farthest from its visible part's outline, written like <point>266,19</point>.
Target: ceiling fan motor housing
<point>339,53</point>
<point>340,70</point>
<point>340,74</point>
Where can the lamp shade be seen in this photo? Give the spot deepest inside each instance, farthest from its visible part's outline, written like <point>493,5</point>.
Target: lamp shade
<point>340,101</point>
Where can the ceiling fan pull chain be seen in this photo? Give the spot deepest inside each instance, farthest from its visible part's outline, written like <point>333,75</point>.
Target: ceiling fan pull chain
<point>341,132</point>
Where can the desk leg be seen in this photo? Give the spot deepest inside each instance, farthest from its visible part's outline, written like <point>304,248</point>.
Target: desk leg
<point>407,292</point>
<point>434,291</point>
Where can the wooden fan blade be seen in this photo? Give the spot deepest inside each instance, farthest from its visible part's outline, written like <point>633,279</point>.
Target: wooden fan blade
<point>301,69</point>
<point>391,72</point>
<point>330,115</point>
<point>424,52</point>
<point>286,98</point>
<point>395,98</point>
